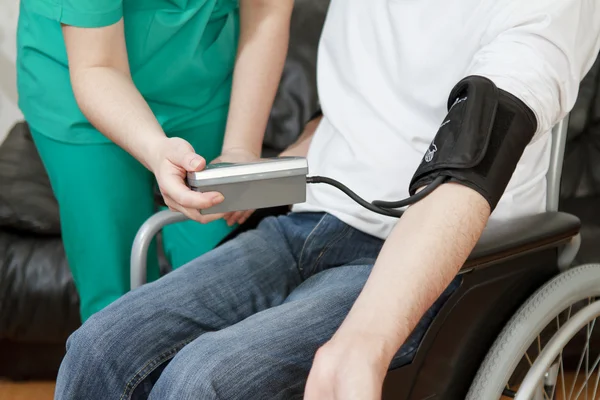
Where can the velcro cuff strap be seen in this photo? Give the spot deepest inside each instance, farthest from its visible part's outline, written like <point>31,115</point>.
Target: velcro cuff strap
<point>480,141</point>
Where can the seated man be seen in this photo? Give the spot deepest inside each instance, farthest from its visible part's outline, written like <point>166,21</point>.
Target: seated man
<point>321,302</point>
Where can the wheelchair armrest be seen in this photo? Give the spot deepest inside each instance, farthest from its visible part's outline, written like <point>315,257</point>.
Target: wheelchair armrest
<point>523,235</point>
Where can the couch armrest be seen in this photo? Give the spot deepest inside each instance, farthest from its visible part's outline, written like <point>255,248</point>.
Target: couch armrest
<point>523,235</point>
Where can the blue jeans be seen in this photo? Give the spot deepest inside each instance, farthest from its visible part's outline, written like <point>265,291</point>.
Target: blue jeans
<point>241,322</point>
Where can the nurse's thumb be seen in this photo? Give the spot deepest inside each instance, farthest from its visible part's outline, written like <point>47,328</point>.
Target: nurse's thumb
<point>192,162</point>
<point>184,156</point>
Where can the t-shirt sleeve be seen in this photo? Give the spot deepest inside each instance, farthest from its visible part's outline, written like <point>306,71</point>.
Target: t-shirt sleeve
<point>539,51</point>
<point>80,13</point>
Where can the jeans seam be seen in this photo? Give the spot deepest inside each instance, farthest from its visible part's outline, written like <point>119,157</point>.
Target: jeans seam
<point>331,243</point>
<point>148,367</point>
<point>300,266</point>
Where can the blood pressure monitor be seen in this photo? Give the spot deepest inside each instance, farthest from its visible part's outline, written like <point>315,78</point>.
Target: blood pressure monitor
<point>265,183</point>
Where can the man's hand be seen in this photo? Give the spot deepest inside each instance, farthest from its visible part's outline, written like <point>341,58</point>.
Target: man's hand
<point>350,368</point>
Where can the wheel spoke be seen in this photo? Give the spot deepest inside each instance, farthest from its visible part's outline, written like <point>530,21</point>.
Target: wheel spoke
<point>596,385</point>
<point>580,361</point>
<point>587,378</point>
<point>561,368</point>
<point>569,314</point>
<point>587,356</point>
<point>597,378</point>
<point>528,359</point>
<point>556,377</point>
<point>539,344</point>
<point>562,377</point>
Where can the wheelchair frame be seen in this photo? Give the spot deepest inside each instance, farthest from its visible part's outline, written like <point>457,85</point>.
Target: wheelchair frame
<point>509,263</point>
<point>495,282</point>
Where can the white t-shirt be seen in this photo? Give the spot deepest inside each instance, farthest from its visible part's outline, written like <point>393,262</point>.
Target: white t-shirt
<point>386,69</point>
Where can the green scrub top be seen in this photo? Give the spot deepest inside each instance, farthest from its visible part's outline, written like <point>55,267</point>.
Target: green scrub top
<point>181,56</point>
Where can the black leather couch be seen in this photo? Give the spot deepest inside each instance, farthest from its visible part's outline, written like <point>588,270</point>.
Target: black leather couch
<point>38,300</point>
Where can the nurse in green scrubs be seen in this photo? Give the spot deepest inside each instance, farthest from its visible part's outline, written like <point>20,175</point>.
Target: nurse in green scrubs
<point>120,94</point>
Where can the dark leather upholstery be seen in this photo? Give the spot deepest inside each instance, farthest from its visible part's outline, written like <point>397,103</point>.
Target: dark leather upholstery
<point>296,99</point>
<point>522,235</point>
<point>580,186</point>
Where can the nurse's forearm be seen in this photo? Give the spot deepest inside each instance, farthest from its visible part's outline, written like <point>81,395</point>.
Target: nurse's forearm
<point>105,93</point>
<point>110,101</point>
<point>264,35</point>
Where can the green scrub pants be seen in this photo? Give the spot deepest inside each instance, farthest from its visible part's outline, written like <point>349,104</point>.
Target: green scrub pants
<point>105,195</point>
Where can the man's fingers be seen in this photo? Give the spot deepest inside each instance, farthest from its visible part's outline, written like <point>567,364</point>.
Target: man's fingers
<point>315,391</point>
<point>237,217</point>
<point>232,217</point>
<point>245,215</point>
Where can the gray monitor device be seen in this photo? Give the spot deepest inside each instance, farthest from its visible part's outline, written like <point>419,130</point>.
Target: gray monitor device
<point>265,183</point>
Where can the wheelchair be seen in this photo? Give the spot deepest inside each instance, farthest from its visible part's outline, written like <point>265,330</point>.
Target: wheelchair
<point>504,332</point>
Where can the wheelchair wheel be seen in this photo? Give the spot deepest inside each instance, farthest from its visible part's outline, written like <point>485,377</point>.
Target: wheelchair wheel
<point>529,332</point>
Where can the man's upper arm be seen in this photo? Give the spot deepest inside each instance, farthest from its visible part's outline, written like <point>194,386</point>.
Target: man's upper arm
<point>540,52</point>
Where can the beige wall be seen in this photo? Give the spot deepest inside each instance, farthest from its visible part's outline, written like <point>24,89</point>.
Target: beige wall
<point>9,112</point>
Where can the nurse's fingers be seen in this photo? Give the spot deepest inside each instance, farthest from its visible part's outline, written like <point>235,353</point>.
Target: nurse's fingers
<point>191,213</point>
<point>173,187</point>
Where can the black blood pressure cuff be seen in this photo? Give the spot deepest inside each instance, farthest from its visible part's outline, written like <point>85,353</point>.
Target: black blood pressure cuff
<point>316,114</point>
<point>480,141</point>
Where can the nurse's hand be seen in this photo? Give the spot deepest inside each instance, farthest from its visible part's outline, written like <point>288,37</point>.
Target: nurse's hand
<point>172,160</point>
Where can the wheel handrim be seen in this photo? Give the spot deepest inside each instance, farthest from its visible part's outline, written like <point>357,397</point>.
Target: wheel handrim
<point>545,379</point>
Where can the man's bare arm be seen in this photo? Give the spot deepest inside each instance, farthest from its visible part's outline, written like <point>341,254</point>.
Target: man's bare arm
<point>420,258</point>
<point>435,236</point>
<point>416,264</point>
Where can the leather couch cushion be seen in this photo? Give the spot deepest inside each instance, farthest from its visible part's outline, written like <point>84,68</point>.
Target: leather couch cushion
<point>38,300</point>
<point>296,99</point>
<point>27,203</point>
